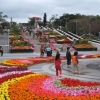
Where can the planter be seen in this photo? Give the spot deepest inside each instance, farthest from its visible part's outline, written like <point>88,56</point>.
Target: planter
<point>61,41</point>
<point>21,50</point>
<point>86,49</point>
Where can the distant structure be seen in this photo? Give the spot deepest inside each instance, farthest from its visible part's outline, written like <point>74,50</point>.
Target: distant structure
<point>11,21</point>
<point>37,19</point>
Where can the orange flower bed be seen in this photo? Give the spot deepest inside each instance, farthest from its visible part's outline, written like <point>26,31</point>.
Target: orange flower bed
<point>83,46</point>
<point>21,47</point>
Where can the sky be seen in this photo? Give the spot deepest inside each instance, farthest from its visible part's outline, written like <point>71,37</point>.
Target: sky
<point>21,10</point>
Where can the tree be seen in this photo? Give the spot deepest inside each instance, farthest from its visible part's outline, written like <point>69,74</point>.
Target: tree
<point>32,21</point>
<point>2,17</point>
<point>14,28</point>
<point>45,19</point>
<point>5,25</point>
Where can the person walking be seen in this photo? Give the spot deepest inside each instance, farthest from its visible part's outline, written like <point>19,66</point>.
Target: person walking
<point>75,62</point>
<point>1,50</point>
<point>68,57</point>
<point>42,50</point>
<point>58,64</point>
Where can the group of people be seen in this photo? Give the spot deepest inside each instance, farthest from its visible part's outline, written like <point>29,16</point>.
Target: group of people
<point>69,57</point>
<point>45,49</point>
<point>1,50</point>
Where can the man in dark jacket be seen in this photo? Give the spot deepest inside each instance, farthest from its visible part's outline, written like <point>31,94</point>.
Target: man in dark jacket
<point>68,57</point>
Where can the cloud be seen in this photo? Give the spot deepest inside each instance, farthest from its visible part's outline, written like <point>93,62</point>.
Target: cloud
<point>20,10</point>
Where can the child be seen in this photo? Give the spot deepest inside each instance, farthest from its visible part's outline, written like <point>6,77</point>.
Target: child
<point>58,64</point>
<point>75,62</point>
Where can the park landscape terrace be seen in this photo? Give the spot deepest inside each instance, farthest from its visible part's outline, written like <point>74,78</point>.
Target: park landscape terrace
<point>27,75</point>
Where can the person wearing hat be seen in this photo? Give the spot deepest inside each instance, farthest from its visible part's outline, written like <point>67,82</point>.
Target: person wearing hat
<point>68,57</point>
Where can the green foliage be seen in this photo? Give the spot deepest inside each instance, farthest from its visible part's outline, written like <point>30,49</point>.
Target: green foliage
<point>61,37</point>
<point>83,41</point>
<point>90,37</point>
<point>47,31</point>
<point>15,29</point>
<point>32,21</point>
<point>5,24</point>
<point>1,31</point>
<point>20,43</point>
<point>2,17</point>
<point>18,37</point>
<point>85,23</point>
<point>53,33</point>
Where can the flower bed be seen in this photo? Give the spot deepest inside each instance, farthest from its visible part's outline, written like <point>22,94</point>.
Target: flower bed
<point>45,87</point>
<point>25,85</point>
<point>15,49</point>
<point>4,69</point>
<point>20,44</point>
<point>61,41</point>
<point>25,62</point>
<point>85,47</point>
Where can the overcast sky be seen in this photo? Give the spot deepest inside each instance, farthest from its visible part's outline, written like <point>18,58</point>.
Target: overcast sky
<point>20,10</point>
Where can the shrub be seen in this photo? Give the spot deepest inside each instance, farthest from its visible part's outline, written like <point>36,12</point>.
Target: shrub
<point>83,41</point>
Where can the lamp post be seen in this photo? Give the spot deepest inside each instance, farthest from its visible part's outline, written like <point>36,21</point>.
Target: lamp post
<point>76,27</point>
<point>60,24</point>
<point>66,24</point>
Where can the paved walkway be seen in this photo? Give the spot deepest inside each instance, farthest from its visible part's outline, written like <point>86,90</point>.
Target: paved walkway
<point>89,68</point>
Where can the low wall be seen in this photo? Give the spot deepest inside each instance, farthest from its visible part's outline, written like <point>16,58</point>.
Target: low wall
<point>20,51</point>
<point>97,45</point>
<point>86,49</point>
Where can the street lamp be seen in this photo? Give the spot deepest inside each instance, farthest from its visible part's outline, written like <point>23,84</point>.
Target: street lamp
<point>66,24</point>
<point>60,24</point>
<point>76,27</point>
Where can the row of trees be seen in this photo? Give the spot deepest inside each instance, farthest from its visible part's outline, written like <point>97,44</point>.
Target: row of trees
<point>77,23</point>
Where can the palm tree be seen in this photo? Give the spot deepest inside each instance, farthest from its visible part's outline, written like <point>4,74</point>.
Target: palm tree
<point>2,17</point>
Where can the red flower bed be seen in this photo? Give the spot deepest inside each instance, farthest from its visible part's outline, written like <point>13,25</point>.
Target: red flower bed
<point>74,83</point>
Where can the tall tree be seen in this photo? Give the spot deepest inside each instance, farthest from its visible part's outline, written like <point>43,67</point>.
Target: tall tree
<point>45,19</point>
<point>2,17</point>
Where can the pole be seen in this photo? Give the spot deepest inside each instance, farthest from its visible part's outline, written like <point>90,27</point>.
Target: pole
<point>60,24</point>
<point>11,22</point>
<point>66,24</point>
<point>76,27</point>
